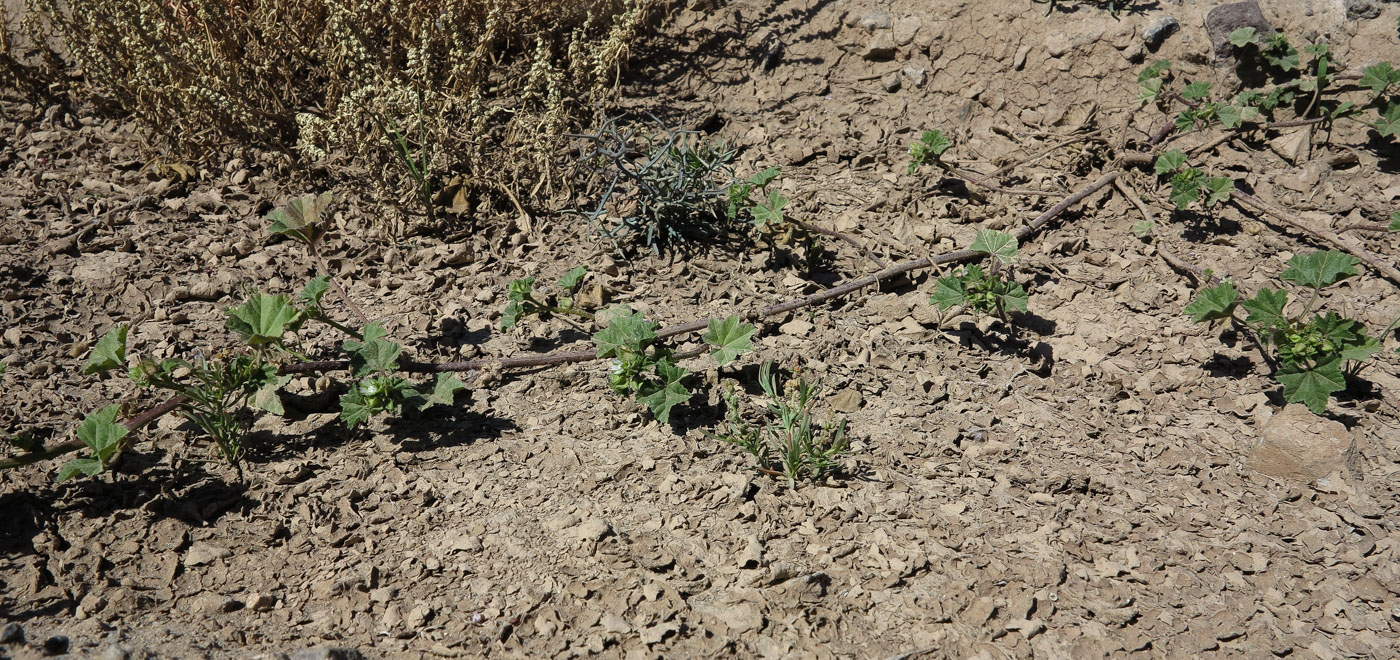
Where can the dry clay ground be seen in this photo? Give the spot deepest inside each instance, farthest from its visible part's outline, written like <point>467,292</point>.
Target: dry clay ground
<point>1096,490</point>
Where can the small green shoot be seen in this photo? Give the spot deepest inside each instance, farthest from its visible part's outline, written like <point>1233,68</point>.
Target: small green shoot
<point>789,442</point>
<point>984,292</point>
<point>928,148</point>
<point>525,301</point>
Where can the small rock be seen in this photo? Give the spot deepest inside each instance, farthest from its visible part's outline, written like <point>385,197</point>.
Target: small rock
<point>216,604</point>
<point>1154,34</point>
<point>117,652</point>
<point>875,20</point>
<point>418,616</point>
<point>12,633</point>
<point>906,29</point>
<point>881,48</point>
<point>1296,444</point>
<point>56,645</point>
<point>1358,9</point>
<point>891,82</point>
<point>845,401</point>
<point>615,624</point>
<point>203,553</point>
<point>327,653</point>
<point>1223,20</point>
<point>796,327</point>
<point>261,602</point>
<point>916,74</point>
<point>593,529</point>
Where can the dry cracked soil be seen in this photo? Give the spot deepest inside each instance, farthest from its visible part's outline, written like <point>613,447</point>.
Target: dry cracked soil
<point>1108,480</point>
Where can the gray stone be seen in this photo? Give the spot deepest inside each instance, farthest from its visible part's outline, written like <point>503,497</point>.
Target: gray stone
<point>1154,34</point>
<point>875,20</point>
<point>12,633</point>
<point>56,645</point>
<point>881,47</point>
<point>1358,9</point>
<point>1296,444</point>
<point>1223,20</point>
<point>891,82</point>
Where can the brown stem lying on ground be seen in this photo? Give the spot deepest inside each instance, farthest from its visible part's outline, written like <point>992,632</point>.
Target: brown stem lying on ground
<point>956,256</point>
<point>1387,270</point>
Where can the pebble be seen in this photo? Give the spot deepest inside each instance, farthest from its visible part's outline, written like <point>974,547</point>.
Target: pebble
<point>875,20</point>
<point>916,74</point>
<point>593,529</point>
<point>891,82</point>
<point>12,633</point>
<point>1223,20</point>
<point>56,645</point>
<point>1358,9</point>
<point>327,653</point>
<point>1159,30</point>
<point>881,48</point>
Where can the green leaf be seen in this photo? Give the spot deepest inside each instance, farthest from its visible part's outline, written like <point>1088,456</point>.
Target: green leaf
<point>1360,350</point>
<point>670,393</point>
<point>1143,228</point>
<point>950,293</point>
<point>1186,186</point>
<point>730,339</point>
<point>930,146</point>
<point>89,466</point>
<point>101,432</point>
<point>263,319</point>
<point>314,290</point>
<point>1320,268</point>
<point>444,392</point>
<point>1196,90</point>
<point>1230,116</point>
<point>1218,189</point>
<point>1394,222</point>
<point>267,398</point>
<point>1389,122</point>
<point>354,409</point>
<point>1312,387</point>
<point>301,218</point>
<point>1154,70</point>
<point>374,354</point>
<point>109,353</point>
<point>1244,36</point>
<point>1212,303</point>
<point>1148,90</point>
<point>769,212</point>
<point>1015,299</point>
<point>521,289</point>
<point>1379,76</point>
<point>1266,308</point>
<point>511,316</point>
<point>628,332</point>
<point>1169,161</point>
<point>572,278</point>
<point>1001,245</point>
<point>763,178</point>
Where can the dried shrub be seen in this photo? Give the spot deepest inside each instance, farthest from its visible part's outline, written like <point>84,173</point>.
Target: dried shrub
<point>477,88</point>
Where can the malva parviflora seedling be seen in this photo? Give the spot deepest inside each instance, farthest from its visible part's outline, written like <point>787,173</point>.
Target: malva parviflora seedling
<point>985,291</point>
<point>1316,351</point>
<point>524,300</point>
<point>753,197</point>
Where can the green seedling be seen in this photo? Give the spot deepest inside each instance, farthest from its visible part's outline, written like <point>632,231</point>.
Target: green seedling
<point>1316,351</point>
<point>379,391</point>
<point>929,149</point>
<point>1190,185</point>
<point>525,301</point>
<point>642,370</point>
<point>788,442</point>
<point>984,292</point>
<point>765,208</point>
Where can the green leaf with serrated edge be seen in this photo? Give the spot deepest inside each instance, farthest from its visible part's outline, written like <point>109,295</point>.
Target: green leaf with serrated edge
<point>572,278</point>
<point>1001,245</point>
<point>1389,122</point>
<point>314,290</point>
<point>1148,90</point>
<point>266,397</point>
<point>1360,350</point>
<point>300,218</point>
<point>1320,268</point>
<point>627,332</point>
<point>444,392</point>
<point>109,353</point>
<point>374,354</point>
<point>1212,303</point>
<point>1312,387</point>
<point>1196,90</point>
<point>1143,228</point>
<point>660,398</point>
<point>1154,70</point>
<point>1015,299</point>
<point>730,339</point>
<point>1185,120</point>
<point>935,142</point>
<point>521,289</point>
<point>1186,186</point>
<point>511,316</point>
<point>1218,189</point>
<point>1379,76</point>
<point>1169,161</point>
<point>765,177</point>
<point>263,319</point>
<point>354,409</point>
<point>769,212</point>
<point>1266,308</point>
<point>101,432</point>
<point>89,466</point>
<point>1244,36</point>
<point>1230,116</point>
<point>949,294</point>
<point>1394,222</point>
